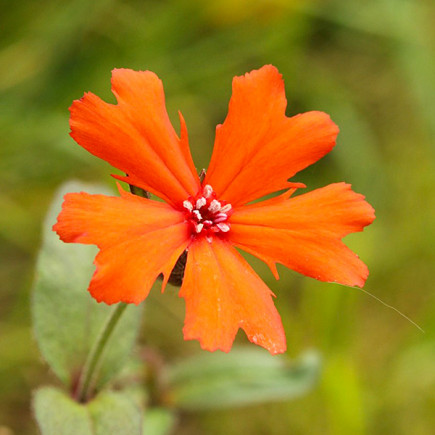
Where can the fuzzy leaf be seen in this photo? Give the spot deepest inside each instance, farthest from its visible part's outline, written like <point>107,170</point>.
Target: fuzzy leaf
<point>58,414</point>
<point>241,377</point>
<point>158,421</point>
<point>66,318</point>
<point>110,413</point>
<point>114,413</point>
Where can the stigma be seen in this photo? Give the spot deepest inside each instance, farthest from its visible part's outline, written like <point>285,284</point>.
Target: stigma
<point>207,215</point>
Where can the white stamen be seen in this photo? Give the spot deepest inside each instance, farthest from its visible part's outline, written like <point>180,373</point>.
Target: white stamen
<point>223,227</point>
<point>200,202</point>
<point>226,208</point>
<point>220,217</point>
<point>207,191</point>
<point>197,214</point>
<point>207,215</point>
<point>188,205</point>
<point>214,206</point>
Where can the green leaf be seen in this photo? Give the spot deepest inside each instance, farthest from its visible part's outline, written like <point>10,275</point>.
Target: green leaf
<point>241,377</point>
<point>110,413</point>
<point>115,413</point>
<point>66,318</point>
<point>57,414</point>
<point>158,421</point>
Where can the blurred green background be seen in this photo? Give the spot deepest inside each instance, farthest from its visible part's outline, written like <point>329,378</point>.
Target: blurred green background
<point>370,65</point>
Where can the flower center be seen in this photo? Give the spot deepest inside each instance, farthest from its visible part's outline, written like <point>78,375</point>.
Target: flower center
<point>206,215</point>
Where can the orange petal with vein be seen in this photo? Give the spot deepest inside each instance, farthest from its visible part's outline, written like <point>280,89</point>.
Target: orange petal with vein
<point>257,149</point>
<point>136,136</point>
<point>139,239</point>
<point>223,294</point>
<point>304,233</point>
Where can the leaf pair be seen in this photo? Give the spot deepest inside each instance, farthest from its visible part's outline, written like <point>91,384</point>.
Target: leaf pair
<point>109,413</point>
<point>67,321</point>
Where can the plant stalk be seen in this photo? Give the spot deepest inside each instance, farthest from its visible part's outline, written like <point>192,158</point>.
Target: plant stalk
<point>94,358</point>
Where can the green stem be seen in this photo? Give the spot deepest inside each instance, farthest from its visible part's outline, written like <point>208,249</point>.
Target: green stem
<point>94,357</point>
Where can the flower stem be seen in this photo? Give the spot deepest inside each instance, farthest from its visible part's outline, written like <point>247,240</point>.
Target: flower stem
<point>94,357</point>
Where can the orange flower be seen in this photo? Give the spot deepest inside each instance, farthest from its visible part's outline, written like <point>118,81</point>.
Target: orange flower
<point>256,150</point>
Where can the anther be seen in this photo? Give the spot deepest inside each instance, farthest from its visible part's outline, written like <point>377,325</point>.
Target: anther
<point>223,227</point>
<point>214,206</point>
<point>197,214</point>
<point>201,202</point>
<point>188,205</point>
<point>207,191</point>
<point>226,208</point>
<point>199,227</point>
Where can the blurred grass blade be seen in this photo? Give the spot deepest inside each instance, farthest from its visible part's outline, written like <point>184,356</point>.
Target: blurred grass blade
<point>108,414</point>
<point>66,318</point>
<point>242,377</point>
<point>341,380</point>
<point>158,421</point>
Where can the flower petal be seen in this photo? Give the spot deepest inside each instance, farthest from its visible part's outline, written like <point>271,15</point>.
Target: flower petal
<point>136,136</point>
<point>138,239</point>
<point>304,233</point>
<point>223,294</point>
<point>257,149</point>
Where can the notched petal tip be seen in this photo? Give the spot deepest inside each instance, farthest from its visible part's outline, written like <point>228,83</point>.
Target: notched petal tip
<point>138,240</point>
<point>305,232</point>
<point>268,71</point>
<point>136,136</point>
<point>258,148</point>
<point>366,212</point>
<point>274,348</point>
<point>206,345</point>
<point>223,294</point>
<point>128,74</point>
<point>105,298</point>
<point>64,226</point>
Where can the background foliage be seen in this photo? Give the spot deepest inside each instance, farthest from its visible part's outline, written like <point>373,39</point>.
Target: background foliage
<point>371,67</point>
